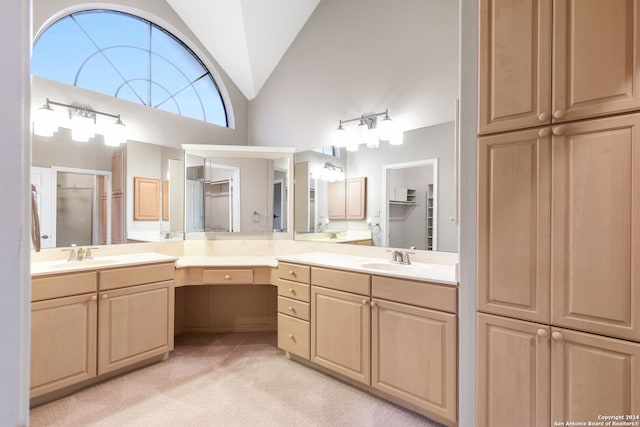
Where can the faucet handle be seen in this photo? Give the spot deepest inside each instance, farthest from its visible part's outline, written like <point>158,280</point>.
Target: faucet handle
<point>88,254</point>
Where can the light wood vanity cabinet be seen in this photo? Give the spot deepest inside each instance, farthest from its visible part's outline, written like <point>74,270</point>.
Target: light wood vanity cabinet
<point>348,199</point>
<point>86,324</point>
<point>549,374</point>
<point>545,61</point>
<point>397,337</point>
<point>293,308</point>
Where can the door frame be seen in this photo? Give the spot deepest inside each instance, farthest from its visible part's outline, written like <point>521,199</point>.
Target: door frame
<point>54,207</point>
<point>385,197</point>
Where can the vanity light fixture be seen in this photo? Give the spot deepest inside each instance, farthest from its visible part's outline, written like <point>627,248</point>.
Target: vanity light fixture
<point>369,131</point>
<point>83,123</point>
<point>331,172</point>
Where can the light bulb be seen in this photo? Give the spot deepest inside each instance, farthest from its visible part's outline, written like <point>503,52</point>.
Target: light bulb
<point>116,134</point>
<point>44,121</point>
<point>385,127</point>
<point>340,136</point>
<point>83,127</point>
<point>397,137</point>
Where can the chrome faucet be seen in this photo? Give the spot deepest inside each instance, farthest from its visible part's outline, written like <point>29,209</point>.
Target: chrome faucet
<point>400,257</point>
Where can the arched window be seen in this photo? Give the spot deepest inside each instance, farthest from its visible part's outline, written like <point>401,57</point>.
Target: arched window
<point>128,57</point>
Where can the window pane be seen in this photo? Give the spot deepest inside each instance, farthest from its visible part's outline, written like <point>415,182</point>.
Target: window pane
<point>167,47</point>
<point>213,106</point>
<point>109,52</point>
<point>168,76</point>
<point>107,28</point>
<point>60,51</point>
<point>132,64</point>
<point>190,104</point>
<point>99,76</point>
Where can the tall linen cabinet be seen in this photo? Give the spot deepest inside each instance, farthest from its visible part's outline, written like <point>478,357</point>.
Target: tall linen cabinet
<point>558,283</point>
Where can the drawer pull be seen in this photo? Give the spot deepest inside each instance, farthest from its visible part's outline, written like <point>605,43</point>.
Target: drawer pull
<point>104,296</point>
<point>557,336</point>
<point>543,117</point>
<point>227,277</point>
<point>373,304</point>
<point>291,273</point>
<point>93,298</point>
<point>558,130</point>
<point>292,291</point>
<point>365,301</point>
<point>544,132</point>
<point>542,333</point>
<point>291,309</point>
<point>292,338</point>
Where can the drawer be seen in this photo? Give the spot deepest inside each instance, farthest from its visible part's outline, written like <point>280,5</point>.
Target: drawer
<point>294,290</point>
<point>295,272</point>
<point>63,285</point>
<point>136,275</point>
<point>293,335</point>
<point>293,308</point>
<point>423,294</point>
<point>357,283</point>
<point>228,277</point>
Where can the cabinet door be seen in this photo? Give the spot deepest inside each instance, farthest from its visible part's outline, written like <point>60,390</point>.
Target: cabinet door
<point>63,342</point>
<point>514,208</point>
<point>118,172</point>
<point>593,375</point>
<point>135,324</point>
<point>596,226</point>
<point>514,64</point>
<point>337,200</point>
<point>513,373</point>
<point>117,219</point>
<point>146,199</point>
<point>596,47</point>
<point>414,356</point>
<point>356,198</point>
<point>341,333</point>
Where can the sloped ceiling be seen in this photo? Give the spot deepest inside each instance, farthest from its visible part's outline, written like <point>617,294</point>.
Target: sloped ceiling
<point>246,37</point>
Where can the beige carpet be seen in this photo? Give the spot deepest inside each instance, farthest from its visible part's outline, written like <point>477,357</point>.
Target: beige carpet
<point>224,380</point>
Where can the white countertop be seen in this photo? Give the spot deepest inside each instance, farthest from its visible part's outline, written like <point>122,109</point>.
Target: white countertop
<point>439,273</point>
<point>63,266</point>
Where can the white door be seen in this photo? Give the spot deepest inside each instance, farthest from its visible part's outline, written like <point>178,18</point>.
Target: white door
<point>42,179</point>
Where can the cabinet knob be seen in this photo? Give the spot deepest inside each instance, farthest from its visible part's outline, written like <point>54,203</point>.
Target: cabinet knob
<point>542,333</point>
<point>291,309</point>
<point>291,273</point>
<point>373,304</point>
<point>543,132</point>
<point>94,298</point>
<point>104,296</point>
<point>558,130</point>
<point>291,291</point>
<point>543,117</point>
<point>291,337</point>
<point>227,277</point>
<point>558,114</point>
<point>365,301</point>
<point>557,336</point>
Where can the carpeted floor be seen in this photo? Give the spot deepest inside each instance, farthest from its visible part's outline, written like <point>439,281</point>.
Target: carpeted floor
<point>224,380</point>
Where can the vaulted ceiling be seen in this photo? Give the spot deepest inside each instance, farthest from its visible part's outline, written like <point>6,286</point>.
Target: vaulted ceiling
<point>246,37</point>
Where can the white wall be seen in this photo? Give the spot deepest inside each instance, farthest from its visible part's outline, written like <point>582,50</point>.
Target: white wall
<point>15,217</point>
<point>356,57</point>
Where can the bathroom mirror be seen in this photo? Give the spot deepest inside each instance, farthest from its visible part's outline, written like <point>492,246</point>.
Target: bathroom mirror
<point>82,216</point>
<point>236,189</point>
<point>409,192</point>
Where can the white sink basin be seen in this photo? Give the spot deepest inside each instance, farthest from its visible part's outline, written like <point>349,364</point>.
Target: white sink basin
<point>392,267</point>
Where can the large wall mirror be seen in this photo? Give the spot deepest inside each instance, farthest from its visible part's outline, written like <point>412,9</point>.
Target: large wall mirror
<point>81,202</point>
<point>392,196</point>
<point>237,189</point>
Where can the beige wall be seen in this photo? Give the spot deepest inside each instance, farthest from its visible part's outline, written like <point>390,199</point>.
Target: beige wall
<point>361,56</point>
